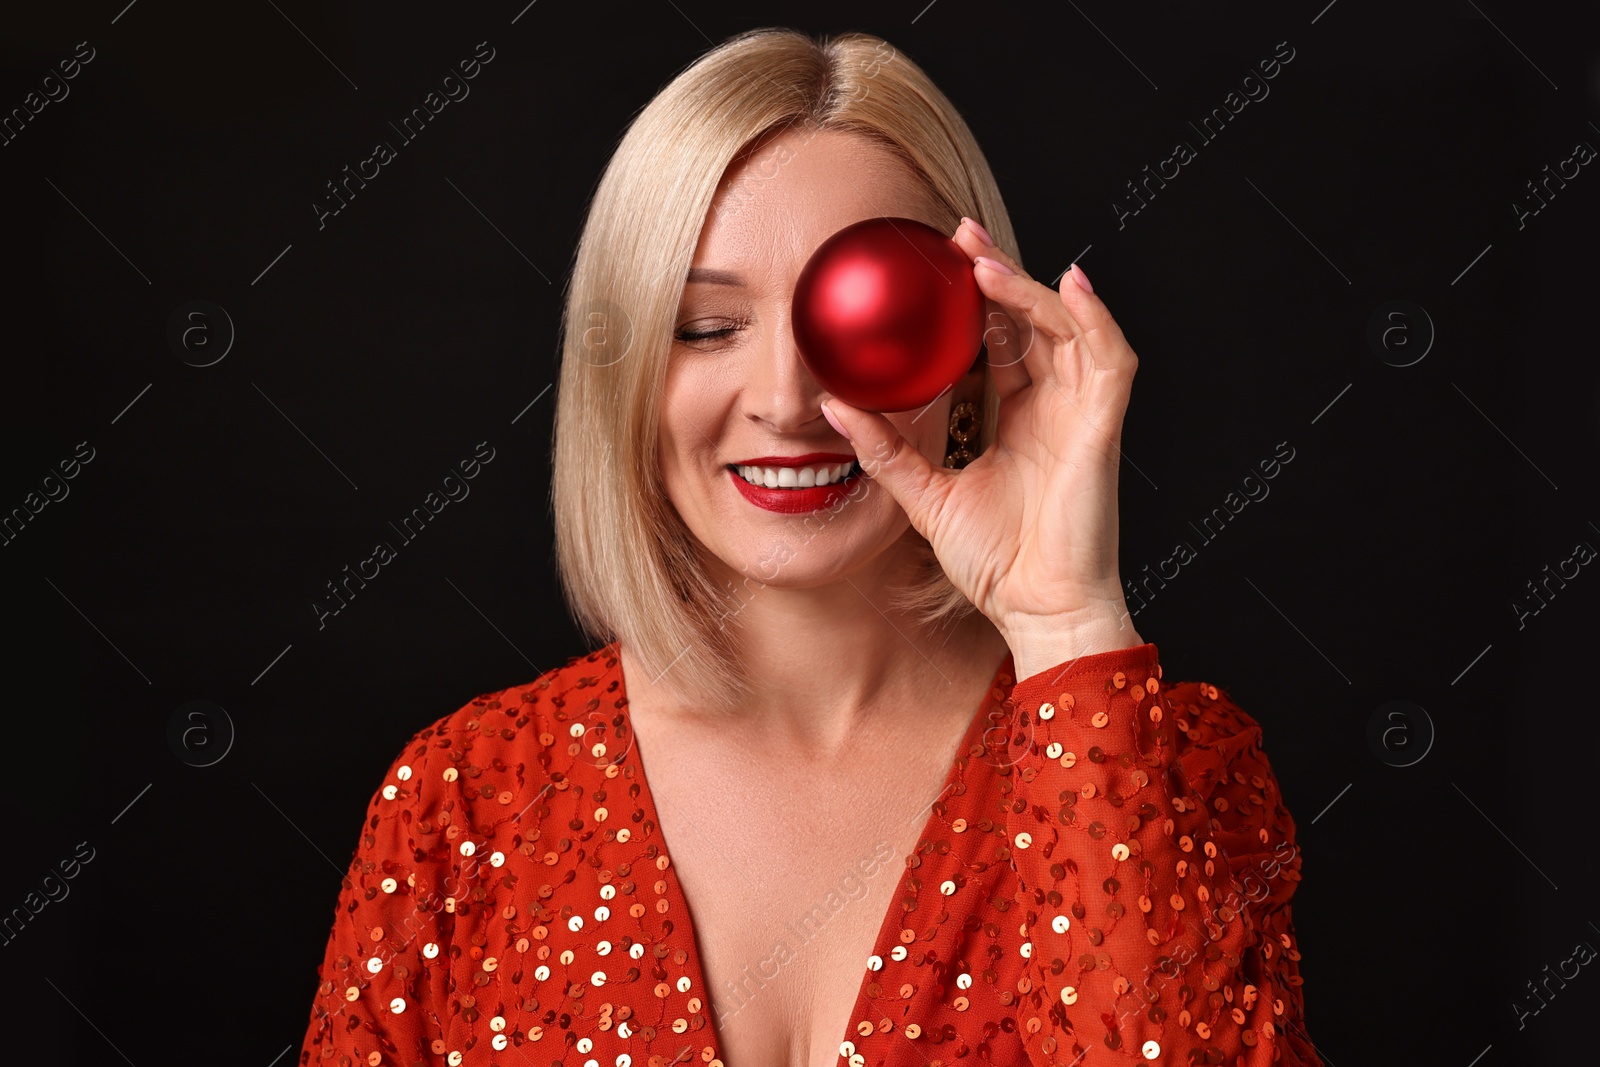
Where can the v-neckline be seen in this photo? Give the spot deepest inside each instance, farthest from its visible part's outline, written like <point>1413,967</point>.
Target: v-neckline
<point>888,932</point>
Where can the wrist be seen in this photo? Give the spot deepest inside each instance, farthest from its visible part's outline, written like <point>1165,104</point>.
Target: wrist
<point>1039,642</point>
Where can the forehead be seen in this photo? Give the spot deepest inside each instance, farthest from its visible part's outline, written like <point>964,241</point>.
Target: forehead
<point>773,209</point>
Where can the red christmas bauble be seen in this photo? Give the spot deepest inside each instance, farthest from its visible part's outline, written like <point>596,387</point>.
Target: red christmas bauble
<point>887,314</point>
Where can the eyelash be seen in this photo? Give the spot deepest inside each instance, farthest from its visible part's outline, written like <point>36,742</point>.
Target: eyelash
<point>691,336</point>
<point>701,335</point>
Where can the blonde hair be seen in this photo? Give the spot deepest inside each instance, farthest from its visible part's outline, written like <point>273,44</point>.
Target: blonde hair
<point>626,560</point>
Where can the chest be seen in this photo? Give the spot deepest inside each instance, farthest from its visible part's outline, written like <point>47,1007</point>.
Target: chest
<point>789,873</point>
<point>785,933</point>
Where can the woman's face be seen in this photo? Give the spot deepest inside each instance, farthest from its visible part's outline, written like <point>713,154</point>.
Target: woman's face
<point>737,390</point>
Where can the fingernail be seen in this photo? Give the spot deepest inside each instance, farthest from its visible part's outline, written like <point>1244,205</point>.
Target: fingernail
<point>1081,278</point>
<point>979,230</point>
<point>993,264</point>
<point>835,423</point>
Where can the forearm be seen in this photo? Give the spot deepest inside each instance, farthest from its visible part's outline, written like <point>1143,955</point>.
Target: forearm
<point>1138,801</point>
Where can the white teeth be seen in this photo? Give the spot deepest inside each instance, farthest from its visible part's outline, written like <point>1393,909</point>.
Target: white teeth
<point>795,477</point>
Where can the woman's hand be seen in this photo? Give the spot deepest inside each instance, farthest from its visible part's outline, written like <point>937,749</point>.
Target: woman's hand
<point>1028,530</point>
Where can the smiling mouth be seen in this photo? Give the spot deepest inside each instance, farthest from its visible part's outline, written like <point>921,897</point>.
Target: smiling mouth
<point>814,476</point>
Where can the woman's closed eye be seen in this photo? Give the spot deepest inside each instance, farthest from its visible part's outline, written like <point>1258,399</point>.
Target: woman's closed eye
<point>708,330</point>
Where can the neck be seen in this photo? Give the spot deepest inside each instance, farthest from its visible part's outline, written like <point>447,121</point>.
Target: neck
<point>832,663</point>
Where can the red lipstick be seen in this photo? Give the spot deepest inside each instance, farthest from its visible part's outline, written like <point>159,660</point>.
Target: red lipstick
<point>795,501</point>
<point>797,461</point>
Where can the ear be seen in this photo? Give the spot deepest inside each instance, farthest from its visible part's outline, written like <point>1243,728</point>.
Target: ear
<point>970,389</point>
<point>971,384</point>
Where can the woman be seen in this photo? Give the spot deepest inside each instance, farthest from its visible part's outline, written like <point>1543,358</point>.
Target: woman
<point>916,790</point>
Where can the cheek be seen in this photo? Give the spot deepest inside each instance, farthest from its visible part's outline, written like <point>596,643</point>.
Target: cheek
<point>681,469</point>
<point>694,405</point>
<point>670,440</point>
<point>679,411</point>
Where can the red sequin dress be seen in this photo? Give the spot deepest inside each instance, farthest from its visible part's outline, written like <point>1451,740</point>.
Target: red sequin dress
<point>1105,879</point>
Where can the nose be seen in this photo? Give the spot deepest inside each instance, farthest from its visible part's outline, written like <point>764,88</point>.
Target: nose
<point>779,391</point>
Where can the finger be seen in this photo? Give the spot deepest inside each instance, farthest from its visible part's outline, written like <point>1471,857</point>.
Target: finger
<point>1004,353</point>
<point>1107,346</point>
<point>1005,344</point>
<point>1050,318</point>
<point>892,462</point>
<point>1044,323</point>
<point>975,244</point>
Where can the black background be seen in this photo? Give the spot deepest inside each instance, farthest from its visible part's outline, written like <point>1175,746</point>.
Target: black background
<point>423,319</point>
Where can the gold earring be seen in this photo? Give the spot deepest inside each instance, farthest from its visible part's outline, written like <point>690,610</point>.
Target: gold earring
<point>960,435</point>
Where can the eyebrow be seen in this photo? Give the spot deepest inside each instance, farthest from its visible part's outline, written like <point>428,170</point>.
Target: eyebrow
<point>714,277</point>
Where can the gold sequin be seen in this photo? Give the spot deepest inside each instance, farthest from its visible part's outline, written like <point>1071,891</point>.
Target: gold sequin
<point>511,884</point>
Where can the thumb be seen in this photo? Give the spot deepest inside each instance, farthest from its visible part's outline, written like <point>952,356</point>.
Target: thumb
<point>889,460</point>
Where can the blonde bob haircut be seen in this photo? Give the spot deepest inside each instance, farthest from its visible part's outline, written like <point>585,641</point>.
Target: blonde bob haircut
<point>627,562</point>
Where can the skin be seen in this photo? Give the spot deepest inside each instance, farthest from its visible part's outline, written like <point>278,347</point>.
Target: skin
<point>857,713</point>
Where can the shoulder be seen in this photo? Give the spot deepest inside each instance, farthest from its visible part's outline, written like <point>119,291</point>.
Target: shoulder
<point>496,752</point>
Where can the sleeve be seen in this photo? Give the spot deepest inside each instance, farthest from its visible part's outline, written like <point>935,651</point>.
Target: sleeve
<point>1155,865</point>
<point>385,975</point>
